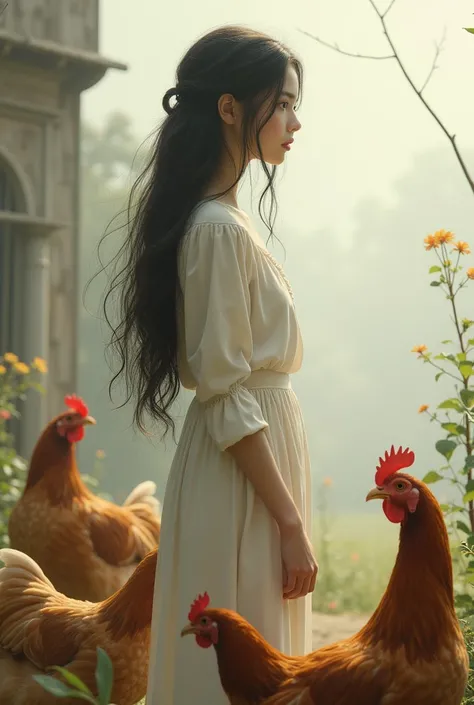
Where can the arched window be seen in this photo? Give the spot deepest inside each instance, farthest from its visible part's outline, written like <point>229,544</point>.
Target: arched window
<point>12,263</point>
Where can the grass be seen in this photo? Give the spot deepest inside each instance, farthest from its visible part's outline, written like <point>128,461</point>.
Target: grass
<point>356,554</point>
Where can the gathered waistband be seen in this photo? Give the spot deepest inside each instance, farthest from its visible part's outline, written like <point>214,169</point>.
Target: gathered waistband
<point>267,379</point>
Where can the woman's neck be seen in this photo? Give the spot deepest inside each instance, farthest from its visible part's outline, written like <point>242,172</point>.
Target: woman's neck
<point>225,180</point>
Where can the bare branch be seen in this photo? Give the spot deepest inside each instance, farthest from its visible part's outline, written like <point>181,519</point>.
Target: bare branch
<point>335,47</point>
<point>434,66</point>
<point>419,91</point>
<point>388,8</point>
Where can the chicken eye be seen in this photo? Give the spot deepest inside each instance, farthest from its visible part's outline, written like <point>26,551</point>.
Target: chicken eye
<point>203,621</point>
<point>400,485</point>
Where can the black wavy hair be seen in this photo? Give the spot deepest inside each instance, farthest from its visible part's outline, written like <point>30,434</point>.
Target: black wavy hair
<point>187,151</point>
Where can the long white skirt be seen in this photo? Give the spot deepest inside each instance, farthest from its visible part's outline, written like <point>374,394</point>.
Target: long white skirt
<point>218,536</point>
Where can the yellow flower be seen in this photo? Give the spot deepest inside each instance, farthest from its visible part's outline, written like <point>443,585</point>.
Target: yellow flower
<point>430,242</point>
<point>470,273</point>
<point>420,349</point>
<point>462,247</point>
<point>11,358</point>
<point>40,365</point>
<point>423,408</point>
<point>443,236</point>
<point>100,454</point>
<point>3,369</point>
<point>327,482</point>
<point>21,368</point>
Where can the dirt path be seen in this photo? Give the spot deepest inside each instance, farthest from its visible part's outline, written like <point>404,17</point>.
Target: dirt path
<point>328,628</point>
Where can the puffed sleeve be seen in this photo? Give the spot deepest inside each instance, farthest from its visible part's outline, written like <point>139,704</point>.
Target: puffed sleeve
<point>217,268</point>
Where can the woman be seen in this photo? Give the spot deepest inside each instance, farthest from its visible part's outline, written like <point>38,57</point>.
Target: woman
<point>205,305</point>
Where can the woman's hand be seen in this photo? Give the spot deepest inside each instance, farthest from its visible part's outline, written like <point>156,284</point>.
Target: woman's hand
<point>299,565</point>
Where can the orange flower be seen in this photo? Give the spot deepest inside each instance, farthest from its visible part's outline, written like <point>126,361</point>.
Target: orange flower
<point>354,557</point>
<point>40,365</point>
<point>462,247</point>
<point>21,368</point>
<point>430,242</point>
<point>332,605</point>
<point>10,357</point>
<point>423,408</point>
<point>327,482</point>
<point>443,236</point>
<point>100,454</point>
<point>420,349</point>
<point>5,415</point>
<point>470,273</point>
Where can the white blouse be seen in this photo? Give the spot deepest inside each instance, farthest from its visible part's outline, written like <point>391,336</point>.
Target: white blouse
<point>236,316</point>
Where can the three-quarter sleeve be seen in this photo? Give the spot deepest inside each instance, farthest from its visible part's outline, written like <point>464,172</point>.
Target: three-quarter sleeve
<point>217,268</point>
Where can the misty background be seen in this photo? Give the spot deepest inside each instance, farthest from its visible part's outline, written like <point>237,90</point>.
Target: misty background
<point>369,176</point>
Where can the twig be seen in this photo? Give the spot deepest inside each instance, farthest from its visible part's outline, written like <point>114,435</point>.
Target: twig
<point>2,9</point>
<point>418,91</point>
<point>434,65</point>
<point>335,47</point>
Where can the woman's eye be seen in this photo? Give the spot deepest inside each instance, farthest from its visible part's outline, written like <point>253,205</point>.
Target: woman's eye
<point>284,105</point>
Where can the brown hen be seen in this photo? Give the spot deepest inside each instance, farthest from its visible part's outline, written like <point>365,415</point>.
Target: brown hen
<point>88,547</point>
<point>411,652</point>
<point>40,628</point>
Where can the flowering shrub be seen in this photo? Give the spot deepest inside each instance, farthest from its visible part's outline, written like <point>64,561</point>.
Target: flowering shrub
<point>16,378</point>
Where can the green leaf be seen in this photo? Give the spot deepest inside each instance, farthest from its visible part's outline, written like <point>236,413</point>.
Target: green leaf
<point>467,395</point>
<point>461,356</point>
<point>431,477</point>
<point>451,404</point>
<point>469,462</point>
<point>451,428</point>
<point>446,448</point>
<point>60,690</point>
<point>72,679</point>
<point>104,676</point>
<point>468,497</point>
<point>434,269</point>
<point>466,369</point>
<point>469,29</point>
<point>435,283</point>
<point>446,342</point>
<point>440,374</point>
<point>463,527</point>
<point>470,486</point>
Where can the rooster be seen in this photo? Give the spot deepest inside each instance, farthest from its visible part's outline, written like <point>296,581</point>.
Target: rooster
<point>88,547</point>
<point>40,628</point>
<point>411,651</point>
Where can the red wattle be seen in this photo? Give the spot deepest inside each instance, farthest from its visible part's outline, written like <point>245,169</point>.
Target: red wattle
<point>393,513</point>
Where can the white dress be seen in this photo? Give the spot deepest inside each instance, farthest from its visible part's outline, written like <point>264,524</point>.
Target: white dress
<point>239,342</point>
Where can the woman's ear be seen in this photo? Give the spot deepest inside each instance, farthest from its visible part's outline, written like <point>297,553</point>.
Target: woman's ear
<point>228,109</point>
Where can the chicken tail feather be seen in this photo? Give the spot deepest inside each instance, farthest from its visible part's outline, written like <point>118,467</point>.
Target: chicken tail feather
<point>144,493</point>
<point>24,589</point>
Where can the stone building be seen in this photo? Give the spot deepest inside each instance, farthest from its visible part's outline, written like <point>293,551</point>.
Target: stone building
<point>48,57</point>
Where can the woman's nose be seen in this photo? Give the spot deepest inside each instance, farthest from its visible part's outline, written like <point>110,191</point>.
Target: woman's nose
<point>295,126</point>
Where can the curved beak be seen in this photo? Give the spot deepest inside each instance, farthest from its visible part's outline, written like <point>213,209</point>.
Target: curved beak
<point>188,629</point>
<point>89,421</point>
<point>376,493</point>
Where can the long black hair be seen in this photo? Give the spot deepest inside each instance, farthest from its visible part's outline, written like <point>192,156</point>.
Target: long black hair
<point>188,148</point>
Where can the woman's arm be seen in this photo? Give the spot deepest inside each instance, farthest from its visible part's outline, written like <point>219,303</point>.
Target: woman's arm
<point>255,459</point>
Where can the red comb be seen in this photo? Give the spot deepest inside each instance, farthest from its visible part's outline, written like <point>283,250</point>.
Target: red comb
<point>198,606</point>
<point>392,463</point>
<point>77,404</point>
